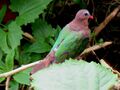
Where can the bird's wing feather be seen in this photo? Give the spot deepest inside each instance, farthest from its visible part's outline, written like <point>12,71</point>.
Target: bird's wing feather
<point>69,46</point>
<point>63,34</point>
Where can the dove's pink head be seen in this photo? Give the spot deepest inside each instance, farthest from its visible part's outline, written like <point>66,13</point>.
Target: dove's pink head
<point>80,22</point>
<point>83,15</point>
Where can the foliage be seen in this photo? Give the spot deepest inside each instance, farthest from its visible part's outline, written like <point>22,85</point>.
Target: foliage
<point>14,85</point>
<point>74,75</point>
<point>15,50</point>
<point>28,10</point>
<point>2,12</point>
<point>23,77</point>
<point>41,20</point>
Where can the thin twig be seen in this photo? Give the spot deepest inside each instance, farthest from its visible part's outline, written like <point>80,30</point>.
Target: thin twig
<point>19,69</point>
<point>7,83</point>
<point>95,47</point>
<point>106,21</point>
<point>2,85</point>
<point>34,63</point>
<point>104,63</point>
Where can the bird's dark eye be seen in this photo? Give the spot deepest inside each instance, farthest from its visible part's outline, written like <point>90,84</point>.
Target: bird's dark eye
<point>86,14</point>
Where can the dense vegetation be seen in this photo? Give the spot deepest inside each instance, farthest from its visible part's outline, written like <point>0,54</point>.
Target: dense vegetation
<point>29,28</point>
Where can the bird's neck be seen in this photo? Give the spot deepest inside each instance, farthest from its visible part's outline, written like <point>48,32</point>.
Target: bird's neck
<point>78,25</point>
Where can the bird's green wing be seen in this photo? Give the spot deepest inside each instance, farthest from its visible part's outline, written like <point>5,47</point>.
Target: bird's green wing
<point>63,34</point>
<point>69,46</point>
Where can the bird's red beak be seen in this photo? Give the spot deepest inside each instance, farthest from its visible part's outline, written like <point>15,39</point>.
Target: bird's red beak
<point>91,17</point>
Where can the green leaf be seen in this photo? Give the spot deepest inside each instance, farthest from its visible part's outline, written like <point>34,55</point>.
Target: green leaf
<point>81,3</point>
<point>45,36</point>
<point>2,67</point>
<point>2,79</point>
<point>27,57</point>
<point>39,47</point>
<point>100,41</point>
<point>24,58</point>
<point>1,54</point>
<point>42,30</point>
<point>3,42</point>
<point>14,35</point>
<point>28,10</point>
<point>9,60</point>
<point>35,56</point>
<point>17,53</point>
<point>74,75</point>
<point>51,41</point>
<point>14,85</point>
<point>23,77</point>
<point>2,12</point>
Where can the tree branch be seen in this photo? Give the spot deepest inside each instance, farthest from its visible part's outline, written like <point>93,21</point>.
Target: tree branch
<point>7,83</point>
<point>19,69</point>
<point>95,47</point>
<point>106,21</point>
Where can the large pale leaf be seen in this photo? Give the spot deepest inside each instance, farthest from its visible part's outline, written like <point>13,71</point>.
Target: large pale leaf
<point>14,35</point>
<point>74,75</point>
<point>28,10</point>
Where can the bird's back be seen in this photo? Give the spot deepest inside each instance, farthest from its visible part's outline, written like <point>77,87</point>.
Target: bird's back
<point>72,44</point>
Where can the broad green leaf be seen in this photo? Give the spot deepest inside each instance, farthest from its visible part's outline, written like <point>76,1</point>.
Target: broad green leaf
<point>17,53</point>
<point>45,36</point>
<point>1,54</point>
<point>51,41</point>
<point>2,79</point>
<point>14,35</point>
<point>56,33</point>
<point>14,85</point>
<point>28,10</point>
<point>9,60</point>
<point>23,77</point>
<point>2,12</point>
<point>35,56</point>
<point>27,57</point>
<point>42,30</point>
<point>74,75</point>
<point>24,58</point>
<point>39,47</point>
<point>3,42</point>
<point>81,3</point>
<point>2,67</point>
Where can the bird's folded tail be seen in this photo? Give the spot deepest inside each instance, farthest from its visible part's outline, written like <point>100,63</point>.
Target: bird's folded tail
<point>50,58</point>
